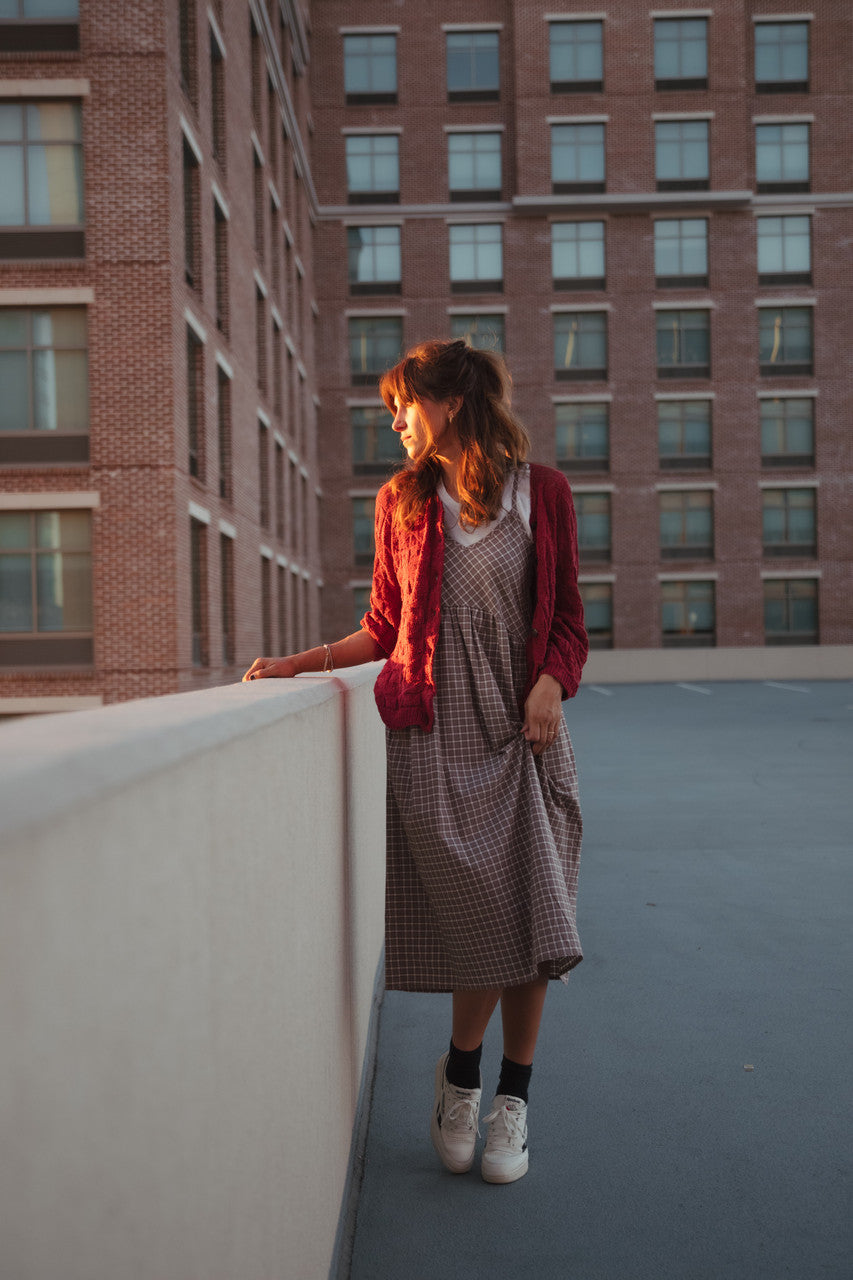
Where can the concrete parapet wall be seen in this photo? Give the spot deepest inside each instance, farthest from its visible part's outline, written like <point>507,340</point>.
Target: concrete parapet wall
<point>782,662</point>
<point>191,915</point>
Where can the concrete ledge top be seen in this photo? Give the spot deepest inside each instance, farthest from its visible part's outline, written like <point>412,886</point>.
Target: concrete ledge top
<point>52,763</point>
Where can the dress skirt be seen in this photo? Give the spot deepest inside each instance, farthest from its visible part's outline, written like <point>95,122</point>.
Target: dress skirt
<point>483,837</point>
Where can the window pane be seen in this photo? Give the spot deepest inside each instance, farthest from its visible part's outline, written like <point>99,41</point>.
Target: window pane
<point>16,602</point>
<point>575,51</point>
<point>370,64</point>
<point>374,254</point>
<point>59,327</point>
<point>64,584</point>
<point>14,401</point>
<point>472,61</point>
<point>681,49</point>
<point>55,185</point>
<point>11,186</point>
<point>577,250</point>
<point>485,332</point>
<point>61,391</point>
<point>577,153</point>
<point>11,122</point>
<point>54,122</point>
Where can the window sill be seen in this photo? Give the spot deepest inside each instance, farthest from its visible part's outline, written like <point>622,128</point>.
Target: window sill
<point>43,448</point>
<point>792,460</point>
<point>601,465</point>
<point>371,99</point>
<point>580,375</point>
<point>687,553</point>
<point>685,463</point>
<point>578,188</point>
<point>375,288</point>
<point>791,551</point>
<point>44,243</point>
<point>474,95</point>
<point>786,370</point>
<point>808,637</point>
<point>673,85</point>
<point>684,371</point>
<point>373,197</point>
<point>706,640</point>
<point>785,277</point>
<point>681,282</point>
<point>780,188</point>
<point>40,37</point>
<point>472,196</point>
<point>577,86</point>
<point>782,86</point>
<point>579,284</point>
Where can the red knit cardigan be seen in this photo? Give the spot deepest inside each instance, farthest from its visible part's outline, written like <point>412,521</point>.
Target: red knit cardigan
<point>405,601</point>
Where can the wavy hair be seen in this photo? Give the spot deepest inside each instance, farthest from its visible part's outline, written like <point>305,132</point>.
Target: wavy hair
<point>492,439</point>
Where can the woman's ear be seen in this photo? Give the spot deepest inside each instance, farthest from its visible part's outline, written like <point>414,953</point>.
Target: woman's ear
<point>454,404</point>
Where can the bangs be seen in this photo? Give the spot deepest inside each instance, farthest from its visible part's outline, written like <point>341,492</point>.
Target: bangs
<point>403,383</point>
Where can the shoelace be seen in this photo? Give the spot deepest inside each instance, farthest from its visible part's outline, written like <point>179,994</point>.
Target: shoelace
<point>514,1131</point>
<point>461,1116</point>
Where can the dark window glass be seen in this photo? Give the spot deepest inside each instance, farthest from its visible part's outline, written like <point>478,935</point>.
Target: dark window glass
<point>226,576</point>
<point>687,613</point>
<point>487,332</point>
<point>781,56</point>
<point>682,155</point>
<point>790,611</point>
<point>577,255</point>
<point>373,257</point>
<point>198,592</point>
<point>577,158</point>
<point>191,194</point>
<point>597,600</point>
<point>217,100</point>
<point>575,56</point>
<point>476,257</point>
<point>681,251</point>
<point>363,511</point>
<point>45,572</point>
<point>373,166</point>
<point>683,344</point>
<point>223,425</point>
<point>580,344</point>
<point>782,157</point>
<point>370,68</point>
<point>375,447</point>
<point>195,404</point>
<point>787,432</point>
<point>360,604</point>
<point>681,53</point>
<point>684,433</point>
<point>785,341</point>
<point>686,525</point>
<point>43,371</point>
<point>374,346</point>
<point>473,69</point>
<point>593,517</point>
<point>263,476</point>
<point>788,522</point>
<point>784,249</point>
<point>582,436</point>
<point>220,252</point>
<point>474,165</point>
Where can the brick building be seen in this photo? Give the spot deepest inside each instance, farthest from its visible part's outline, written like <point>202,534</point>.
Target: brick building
<point>219,222</point>
<point>650,212</point>
<point>158,474</point>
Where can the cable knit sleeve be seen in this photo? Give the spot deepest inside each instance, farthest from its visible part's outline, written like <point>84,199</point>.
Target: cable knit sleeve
<point>567,641</point>
<point>382,620</point>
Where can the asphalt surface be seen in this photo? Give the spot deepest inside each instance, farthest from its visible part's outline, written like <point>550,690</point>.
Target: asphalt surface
<point>690,1102</point>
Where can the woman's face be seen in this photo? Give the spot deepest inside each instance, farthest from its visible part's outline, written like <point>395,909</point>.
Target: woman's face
<point>424,424</point>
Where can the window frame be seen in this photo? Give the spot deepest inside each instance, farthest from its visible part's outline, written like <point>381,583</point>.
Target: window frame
<point>779,183</point>
<point>373,285</point>
<point>683,460</point>
<point>376,430</point>
<point>28,239</point>
<point>474,192</point>
<point>373,194</point>
<point>788,635</point>
<point>789,458</point>
<point>368,376</point>
<point>360,555</point>
<point>599,637</point>
<point>576,146</point>
<point>574,84</point>
<point>664,83</point>
<point>782,86</point>
<point>695,182</point>
<point>688,638</point>
<point>682,548</point>
<point>577,372</point>
<point>785,368</point>
<point>582,460</point>
<point>371,96</point>
<point>54,446</point>
<point>783,276</point>
<point>476,92</point>
<point>685,280</point>
<point>578,282</point>
<point>594,551</point>
<point>474,283</point>
<point>786,546</point>
<point>682,369</point>
<point>23,34</point>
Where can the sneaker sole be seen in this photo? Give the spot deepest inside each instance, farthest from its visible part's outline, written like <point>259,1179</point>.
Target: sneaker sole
<point>500,1176</point>
<point>455,1166</point>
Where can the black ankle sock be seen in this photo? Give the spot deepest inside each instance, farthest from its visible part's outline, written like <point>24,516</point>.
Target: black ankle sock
<point>463,1067</point>
<point>515,1079</point>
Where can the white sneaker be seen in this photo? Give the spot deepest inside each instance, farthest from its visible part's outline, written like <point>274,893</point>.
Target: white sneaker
<point>453,1128</point>
<point>505,1156</point>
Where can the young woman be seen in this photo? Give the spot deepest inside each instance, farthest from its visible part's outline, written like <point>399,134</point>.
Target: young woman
<point>475,607</point>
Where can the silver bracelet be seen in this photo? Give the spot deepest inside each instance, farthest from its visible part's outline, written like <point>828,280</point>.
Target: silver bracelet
<point>328,665</point>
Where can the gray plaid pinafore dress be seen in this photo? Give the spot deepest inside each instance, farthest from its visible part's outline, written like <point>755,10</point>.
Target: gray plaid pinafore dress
<point>483,837</point>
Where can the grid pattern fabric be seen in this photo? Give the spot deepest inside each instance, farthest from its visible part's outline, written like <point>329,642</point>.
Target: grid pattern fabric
<point>483,837</point>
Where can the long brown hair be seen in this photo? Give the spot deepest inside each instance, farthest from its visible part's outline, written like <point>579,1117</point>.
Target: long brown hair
<point>493,441</point>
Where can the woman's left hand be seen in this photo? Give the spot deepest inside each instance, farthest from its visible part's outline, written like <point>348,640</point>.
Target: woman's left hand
<point>543,713</point>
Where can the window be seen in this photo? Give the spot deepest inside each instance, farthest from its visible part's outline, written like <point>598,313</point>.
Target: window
<point>683,344</point>
<point>198,590</point>
<point>593,517</point>
<point>223,431</point>
<point>577,158</point>
<point>192,239</point>
<point>784,250</point>
<point>487,332</point>
<point>41,179</point>
<point>788,522</point>
<point>370,68</point>
<point>790,611</point>
<point>44,406</point>
<point>263,476</point>
<point>33,26</point>
<point>583,436</point>
<point>260,200</point>
<point>266,604</point>
<point>217,101</point>
<point>374,346</point>
<point>576,57</point>
<point>684,433</point>
<point>45,588</point>
<point>681,53</point>
<point>577,255</point>
<point>363,510</point>
<point>580,345</point>
<point>220,253</point>
<point>782,158</point>
<point>278,454</point>
<point>373,168</point>
<point>597,600</point>
<point>226,576</point>
<point>188,50</point>
<point>473,70</point>
<point>283,577</point>
<point>474,166</point>
<point>476,258</point>
<point>682,155</point>
<point>195,404</point>
<point>687,614</point>
<point>785,342</point>
<point>787,432</point>
<point>375,447</point>
<point>681,252</point>
<point>360,603</point>
<point>373,255</point>
<point>781,57</point>
<point>687,525</point>
<point>261,361</point>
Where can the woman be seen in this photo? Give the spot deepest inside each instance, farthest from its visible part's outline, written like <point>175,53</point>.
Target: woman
<point>475,606</point>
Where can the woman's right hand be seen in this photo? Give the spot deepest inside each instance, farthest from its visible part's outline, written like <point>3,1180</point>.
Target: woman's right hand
<point>276,668</point>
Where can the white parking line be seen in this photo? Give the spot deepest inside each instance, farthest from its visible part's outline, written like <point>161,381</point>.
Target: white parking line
<point>597,688</point>
<point>694,688</point>
<point>793,688</point>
